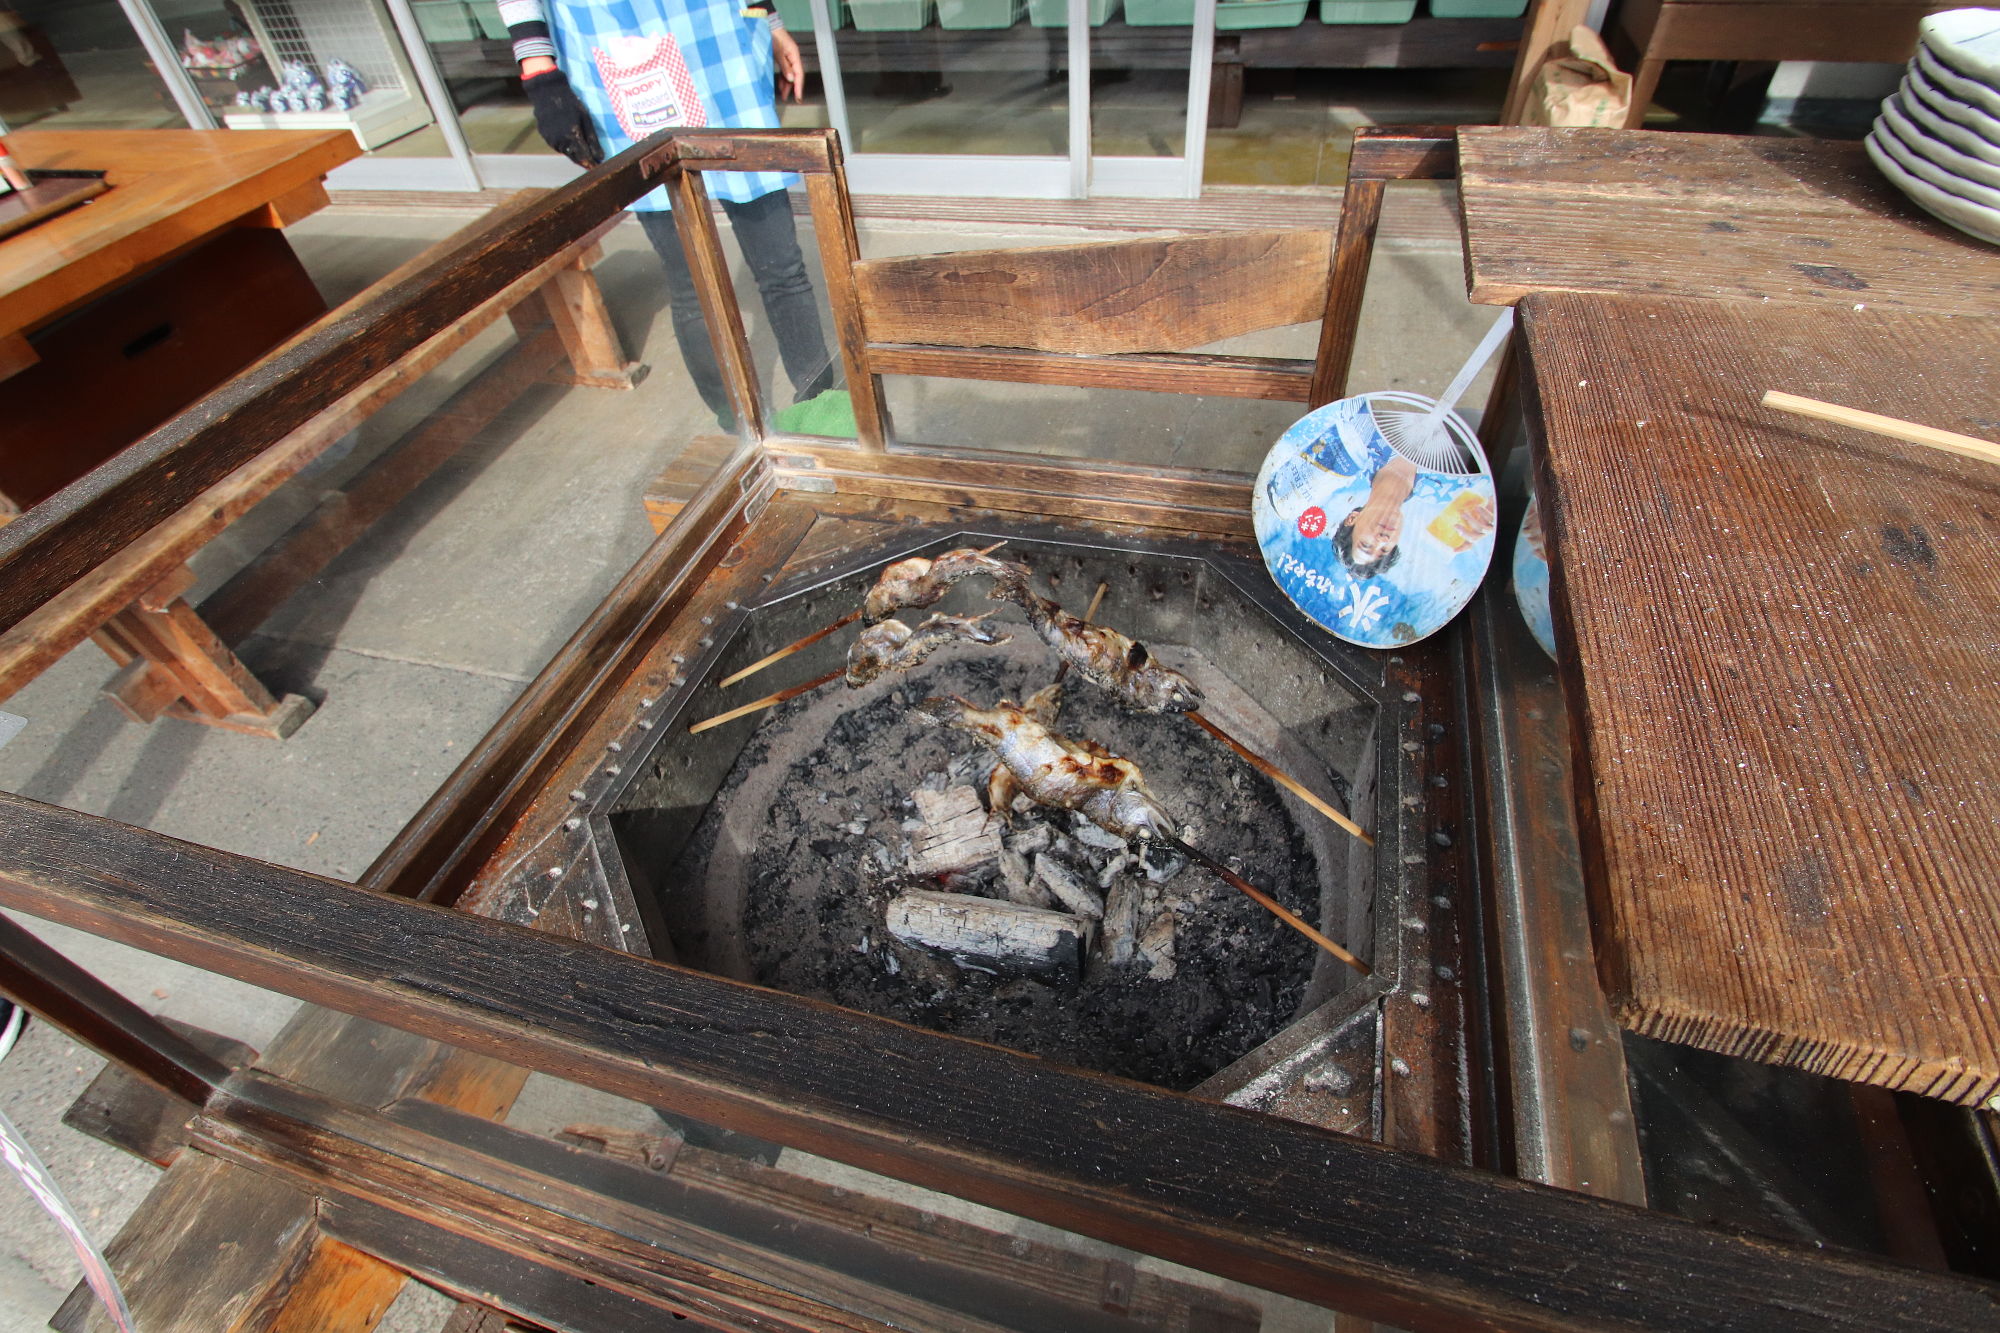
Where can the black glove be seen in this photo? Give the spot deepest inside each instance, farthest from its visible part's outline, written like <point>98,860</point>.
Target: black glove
<point>564,124</point>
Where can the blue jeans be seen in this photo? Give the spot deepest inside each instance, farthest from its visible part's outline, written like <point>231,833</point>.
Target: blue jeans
<point>770,245</point>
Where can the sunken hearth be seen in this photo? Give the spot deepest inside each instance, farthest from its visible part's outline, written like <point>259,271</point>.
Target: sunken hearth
<point>841,847</point>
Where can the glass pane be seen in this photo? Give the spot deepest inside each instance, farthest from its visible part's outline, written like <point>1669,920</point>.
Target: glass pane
<point>299,65</point>
<point>952,76</point>
<point>469,45</point>
<point>1139,80</point>
<point>65,66</point>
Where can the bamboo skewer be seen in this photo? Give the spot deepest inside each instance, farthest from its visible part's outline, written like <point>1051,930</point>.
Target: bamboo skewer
<point>785,652</point>
<point>1269,904</point>
<point>812,638</point>
<point>1279,776</point>
<point>768,701</point>
<point>1096,600</point>
<point>1895,428</point>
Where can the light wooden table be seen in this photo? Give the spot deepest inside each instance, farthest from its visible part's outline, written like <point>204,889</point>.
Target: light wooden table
<point>169,189</point>
<point>1633,212</point>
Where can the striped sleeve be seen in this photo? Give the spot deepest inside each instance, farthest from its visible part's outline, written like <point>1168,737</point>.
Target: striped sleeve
<point>528,24</point>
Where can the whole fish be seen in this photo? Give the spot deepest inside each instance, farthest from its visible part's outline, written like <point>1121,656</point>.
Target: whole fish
<point>1101,655</point>
<point>894,646</point>
<point>1055,770</point>
<point>918,582</point>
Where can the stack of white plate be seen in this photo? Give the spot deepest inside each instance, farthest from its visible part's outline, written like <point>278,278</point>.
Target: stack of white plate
<point>1938,138</point>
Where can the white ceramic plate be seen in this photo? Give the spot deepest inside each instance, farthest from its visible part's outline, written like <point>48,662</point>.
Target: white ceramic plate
<point>1963,214</point>
<point>1941,127</point>
<point>1973,93</point>
<point>1934,175</point>
<point>1966,39</point>
<point>1935,151</point>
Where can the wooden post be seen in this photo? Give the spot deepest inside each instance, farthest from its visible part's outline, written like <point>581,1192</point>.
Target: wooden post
<point>710,268</point>
<point>839,249</point>
<point>56,990</point>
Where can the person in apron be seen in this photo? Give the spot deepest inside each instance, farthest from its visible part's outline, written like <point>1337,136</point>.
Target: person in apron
<point>604,74</point>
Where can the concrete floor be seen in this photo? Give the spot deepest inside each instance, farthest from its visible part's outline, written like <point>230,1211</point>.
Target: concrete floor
<point>417,638</point>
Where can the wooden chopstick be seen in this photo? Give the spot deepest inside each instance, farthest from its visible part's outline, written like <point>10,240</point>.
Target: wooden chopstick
<point>1907,431</point>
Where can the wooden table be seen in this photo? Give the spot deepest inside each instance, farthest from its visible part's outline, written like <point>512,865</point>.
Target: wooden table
<point>1778,637</point>
<point>1624,211</point>
<point>172,281</point>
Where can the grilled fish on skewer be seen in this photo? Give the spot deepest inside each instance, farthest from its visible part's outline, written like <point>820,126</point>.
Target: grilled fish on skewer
<point>917,582</point>
<point>889,646</point>
<point>1107,790</point>
<point>894,646</point>
<point>1103,656</point>
<point>1054,770</point>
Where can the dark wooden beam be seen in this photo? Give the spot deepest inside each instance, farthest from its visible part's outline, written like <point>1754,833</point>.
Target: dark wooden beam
<point>1351,1225</point>
<point>1379,154</point>
<point>699,1234</point>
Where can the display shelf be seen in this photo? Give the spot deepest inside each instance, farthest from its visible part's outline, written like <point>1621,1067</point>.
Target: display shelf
<point>382,116</point>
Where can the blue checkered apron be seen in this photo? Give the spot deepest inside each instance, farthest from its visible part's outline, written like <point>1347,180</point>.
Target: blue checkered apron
<point>727,53</point>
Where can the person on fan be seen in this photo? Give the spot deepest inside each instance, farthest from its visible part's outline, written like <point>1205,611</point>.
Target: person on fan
<point>604,74</point>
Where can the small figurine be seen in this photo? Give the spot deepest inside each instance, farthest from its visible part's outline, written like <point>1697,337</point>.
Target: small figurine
<point>344,83</point>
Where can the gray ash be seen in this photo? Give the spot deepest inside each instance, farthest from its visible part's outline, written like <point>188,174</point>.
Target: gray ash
<point>835,772</point>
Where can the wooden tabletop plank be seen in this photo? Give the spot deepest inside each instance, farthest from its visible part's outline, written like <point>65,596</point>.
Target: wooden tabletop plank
<point>1781,646</point>
<point>169,189</point>
<point>1646,213</point>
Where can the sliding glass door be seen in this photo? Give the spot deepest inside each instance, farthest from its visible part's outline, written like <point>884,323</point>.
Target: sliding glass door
<point>1053,99</point>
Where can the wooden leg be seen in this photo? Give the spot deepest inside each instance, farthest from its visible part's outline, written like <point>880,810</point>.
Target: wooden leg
<point>1225,95</point>
<point>1645,82</point>
<point>576,304</point>
<point>174,663</point>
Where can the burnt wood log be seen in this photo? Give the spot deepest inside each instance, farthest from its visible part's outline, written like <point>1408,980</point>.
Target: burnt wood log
<point>989,932</point>
<point>1348,1224</point>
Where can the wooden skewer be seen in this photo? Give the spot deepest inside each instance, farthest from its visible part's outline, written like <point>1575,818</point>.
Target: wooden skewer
<point>768,701</point>
<point>785,652</point>
<point>1893,427</point>
<point>1279,776</point>
<point>810,639</point>
<point>1096,600</point>
<point>1270,904</point>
